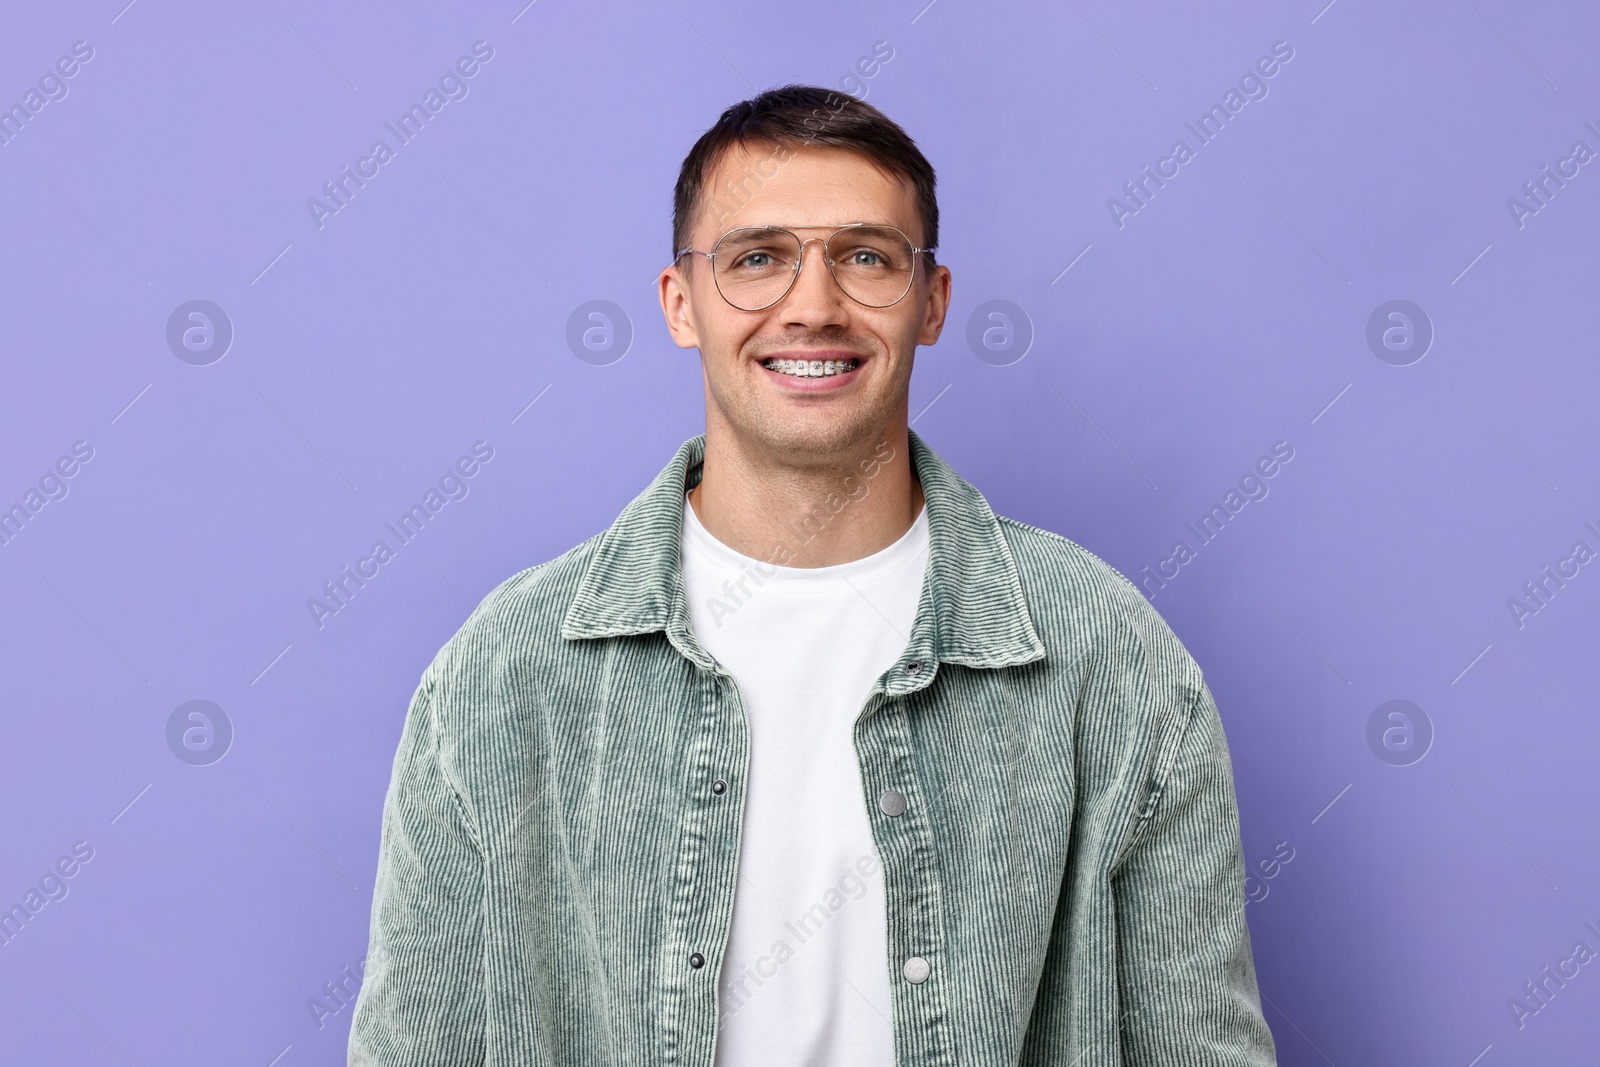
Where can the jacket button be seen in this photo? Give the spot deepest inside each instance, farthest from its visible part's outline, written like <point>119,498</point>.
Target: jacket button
<point>719,787</point>
<point>916,970</point>
<point>698,961</point>
<point>892,803</point>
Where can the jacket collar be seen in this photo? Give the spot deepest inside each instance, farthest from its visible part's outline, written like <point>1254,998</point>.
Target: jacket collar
<point>972,611</point>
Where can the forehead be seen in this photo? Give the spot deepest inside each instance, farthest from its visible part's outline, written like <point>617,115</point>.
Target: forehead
<point>811,186</point>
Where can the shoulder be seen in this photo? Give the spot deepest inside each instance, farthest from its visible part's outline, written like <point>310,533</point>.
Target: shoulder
<point>521,617</point>
<point>1085,609</point>
<point>1135,691</point>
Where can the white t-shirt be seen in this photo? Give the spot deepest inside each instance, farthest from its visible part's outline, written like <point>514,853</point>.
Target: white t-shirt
<point>806,977</point>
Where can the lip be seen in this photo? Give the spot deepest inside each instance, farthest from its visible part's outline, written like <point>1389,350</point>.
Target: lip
<point>825,384</point>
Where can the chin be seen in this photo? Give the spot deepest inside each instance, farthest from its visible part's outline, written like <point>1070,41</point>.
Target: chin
<point>795,436</point>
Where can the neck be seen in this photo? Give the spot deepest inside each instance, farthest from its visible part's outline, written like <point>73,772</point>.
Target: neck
<point>809,514</point>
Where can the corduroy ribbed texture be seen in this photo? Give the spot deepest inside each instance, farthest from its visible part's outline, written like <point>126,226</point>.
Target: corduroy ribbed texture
<point>1068,862</point>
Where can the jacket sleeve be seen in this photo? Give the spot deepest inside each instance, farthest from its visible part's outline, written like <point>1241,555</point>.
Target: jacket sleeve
<point>422,995</point>
<point>1186,978</point>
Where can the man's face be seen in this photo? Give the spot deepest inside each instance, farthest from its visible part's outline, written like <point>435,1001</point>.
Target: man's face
<point>813,192</point>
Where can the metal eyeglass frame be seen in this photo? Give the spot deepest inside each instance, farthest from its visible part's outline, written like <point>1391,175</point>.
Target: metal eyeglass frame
<point>800,261</point>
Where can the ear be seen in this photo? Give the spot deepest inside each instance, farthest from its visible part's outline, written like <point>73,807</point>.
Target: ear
<point>935,306</point>
<point>677,306</point>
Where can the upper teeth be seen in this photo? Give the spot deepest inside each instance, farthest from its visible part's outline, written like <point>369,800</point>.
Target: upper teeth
<point>813,368</point>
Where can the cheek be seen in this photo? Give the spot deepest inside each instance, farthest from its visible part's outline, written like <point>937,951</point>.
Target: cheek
<point>726,338</point>
<point>710,316</point>
<point>895,335</point>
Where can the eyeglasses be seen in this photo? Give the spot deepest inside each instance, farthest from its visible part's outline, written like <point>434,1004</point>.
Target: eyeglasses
<point>754,267</point>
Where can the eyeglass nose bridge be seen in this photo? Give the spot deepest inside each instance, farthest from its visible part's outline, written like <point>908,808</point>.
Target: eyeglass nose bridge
<point>827,261</point>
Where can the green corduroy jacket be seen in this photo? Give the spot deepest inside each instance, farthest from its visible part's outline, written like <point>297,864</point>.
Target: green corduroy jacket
<point>1068,862</point>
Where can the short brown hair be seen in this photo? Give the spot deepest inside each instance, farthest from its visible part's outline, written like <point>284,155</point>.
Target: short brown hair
<point>805,115</point>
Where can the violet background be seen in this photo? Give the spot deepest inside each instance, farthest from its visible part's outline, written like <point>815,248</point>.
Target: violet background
<point>1228,314</point>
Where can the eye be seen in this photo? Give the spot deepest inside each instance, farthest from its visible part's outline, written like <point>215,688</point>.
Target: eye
<point>754,259</point>
<point>871,259</point>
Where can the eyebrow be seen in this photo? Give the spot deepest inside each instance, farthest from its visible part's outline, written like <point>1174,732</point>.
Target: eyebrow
<point>820,226</point>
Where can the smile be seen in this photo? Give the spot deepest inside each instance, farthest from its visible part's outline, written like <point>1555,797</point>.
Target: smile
<point>814,368</point>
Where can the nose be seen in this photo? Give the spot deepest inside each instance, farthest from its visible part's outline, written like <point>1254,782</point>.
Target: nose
<point>815,300</point>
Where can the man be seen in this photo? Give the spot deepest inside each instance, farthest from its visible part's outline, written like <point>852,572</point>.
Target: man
<point>810,759</point>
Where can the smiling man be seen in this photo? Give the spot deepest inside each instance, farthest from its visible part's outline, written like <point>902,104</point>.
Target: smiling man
<point>810,758</point>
